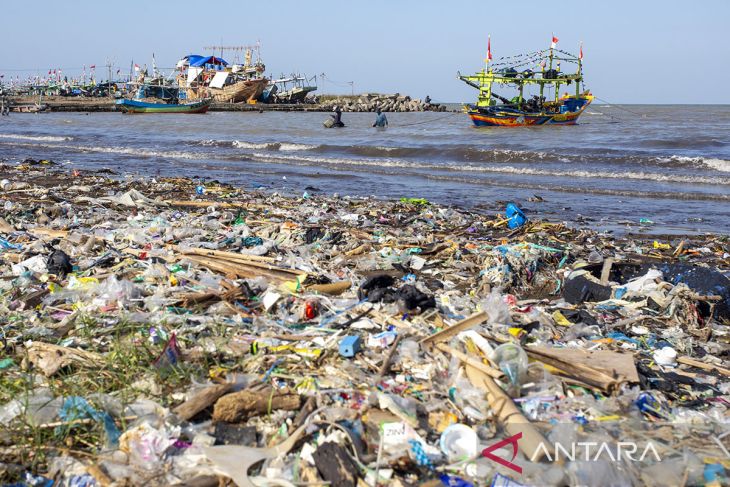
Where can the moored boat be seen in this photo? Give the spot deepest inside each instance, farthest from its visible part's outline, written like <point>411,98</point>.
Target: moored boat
<point>28,107</point>
<point>213,77</point>
<point>545,108</point>
<point>160,98</point>
<point>139,106</point>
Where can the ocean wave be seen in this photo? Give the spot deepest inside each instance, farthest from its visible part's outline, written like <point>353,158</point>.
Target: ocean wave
<point>529,171</point>
<point>272,146</point>
<point>721,165</point>
<point>40,138</point>
<point>130,151</point>
<point>469,153</point>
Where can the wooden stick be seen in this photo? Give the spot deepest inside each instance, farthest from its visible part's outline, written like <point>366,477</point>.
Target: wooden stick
<point>490,371</point>
<point>386,363</point>
<point>606,270</point>
<point>221,253</point>
<point>465,324</point>
<point>702,365</point>
<point>246,271</point>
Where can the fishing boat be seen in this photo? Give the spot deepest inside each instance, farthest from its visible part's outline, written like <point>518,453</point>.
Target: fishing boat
<point>160,99</point>
<point>516,73</point>
<point>138,106</point>
<point>293,89</point>
<point>211,76</point>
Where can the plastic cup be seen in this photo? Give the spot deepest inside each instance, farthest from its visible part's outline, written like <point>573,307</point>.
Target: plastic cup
<point>459,442</point>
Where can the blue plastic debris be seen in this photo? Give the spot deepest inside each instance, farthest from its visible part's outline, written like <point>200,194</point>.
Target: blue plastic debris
<point>515,216</point>
<point>350,345</point>
<point>76,408</point>
<point>5,245</point>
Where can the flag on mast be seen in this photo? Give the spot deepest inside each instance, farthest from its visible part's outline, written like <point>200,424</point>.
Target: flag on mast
<point>554,43</point>
<point>580,52</point>
<point>489,48</point>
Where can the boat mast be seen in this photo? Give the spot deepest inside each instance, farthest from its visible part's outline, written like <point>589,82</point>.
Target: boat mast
<point>485,82</point>
<point>580,70</point>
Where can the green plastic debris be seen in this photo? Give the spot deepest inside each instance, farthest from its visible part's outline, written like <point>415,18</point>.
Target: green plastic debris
<point>415,201</point>
<point>6,363</point>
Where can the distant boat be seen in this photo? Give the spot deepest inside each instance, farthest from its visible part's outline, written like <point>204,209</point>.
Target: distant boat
<point>159,98</point>
<point>519,111</point>
<point>29,108</point>
<point>288,90</point>
<point>138,106</point>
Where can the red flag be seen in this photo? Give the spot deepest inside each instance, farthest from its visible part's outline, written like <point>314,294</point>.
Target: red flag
<point>49,72</point>
<point>93,66</point>
<point>489,48</point>
<point>580,53</point>
<point>554,43</point>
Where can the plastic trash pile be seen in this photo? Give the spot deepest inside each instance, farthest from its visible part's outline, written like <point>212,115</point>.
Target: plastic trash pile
<point>175,332</point>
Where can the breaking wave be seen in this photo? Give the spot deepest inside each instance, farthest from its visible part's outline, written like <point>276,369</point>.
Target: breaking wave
<point>466,153</point>
<point>272,146</point>
<point>40,138</point>
<point>420,165</point>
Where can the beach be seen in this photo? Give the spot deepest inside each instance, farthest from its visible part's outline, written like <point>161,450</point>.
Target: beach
<point>155,325</point>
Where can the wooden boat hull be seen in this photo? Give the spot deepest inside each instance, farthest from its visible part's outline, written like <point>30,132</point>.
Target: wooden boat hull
<point>28,108</point>
<point>135,106</point>
<point>242,91</point>
<point>494,117</point>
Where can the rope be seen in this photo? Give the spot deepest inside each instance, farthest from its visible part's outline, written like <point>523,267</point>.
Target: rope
<point>620,107</point>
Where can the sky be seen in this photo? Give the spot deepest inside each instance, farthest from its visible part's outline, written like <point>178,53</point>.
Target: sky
<point>636,51</point>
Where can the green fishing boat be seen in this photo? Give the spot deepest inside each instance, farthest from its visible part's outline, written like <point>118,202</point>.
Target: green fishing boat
<point>517,72</point>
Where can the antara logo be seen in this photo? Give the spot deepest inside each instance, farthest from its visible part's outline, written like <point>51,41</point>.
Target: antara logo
<point>487,452</point>
<point>594,451</point>
<point>591,451</point>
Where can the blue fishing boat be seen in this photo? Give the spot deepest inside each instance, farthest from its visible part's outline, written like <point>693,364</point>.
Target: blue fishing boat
<point>160,99</point>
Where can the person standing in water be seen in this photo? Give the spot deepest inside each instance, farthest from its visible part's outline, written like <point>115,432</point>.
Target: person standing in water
<point>380,120</point>
<point>338,117</point>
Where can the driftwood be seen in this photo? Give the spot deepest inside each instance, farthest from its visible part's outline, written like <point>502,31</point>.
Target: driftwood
<point>333,288</point>
<point>51,358</point>
<point>201,400</point>
<point>242,405</point>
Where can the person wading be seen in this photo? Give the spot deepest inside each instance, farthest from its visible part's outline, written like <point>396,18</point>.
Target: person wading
<point>380,120</point>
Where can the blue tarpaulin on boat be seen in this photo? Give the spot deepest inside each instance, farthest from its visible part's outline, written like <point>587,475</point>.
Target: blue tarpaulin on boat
<point>197,61</point>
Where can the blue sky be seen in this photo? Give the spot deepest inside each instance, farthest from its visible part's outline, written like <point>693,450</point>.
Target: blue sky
<point>635,51</point>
